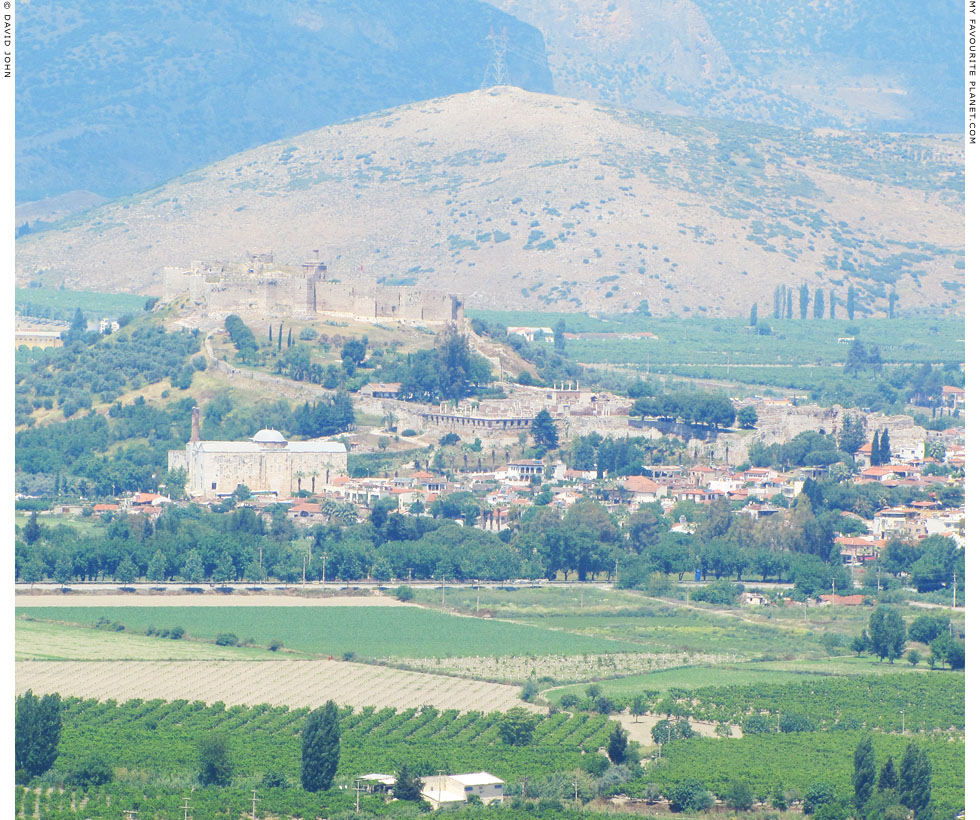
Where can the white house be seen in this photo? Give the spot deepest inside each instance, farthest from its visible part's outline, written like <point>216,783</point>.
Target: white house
<point>453,789</point>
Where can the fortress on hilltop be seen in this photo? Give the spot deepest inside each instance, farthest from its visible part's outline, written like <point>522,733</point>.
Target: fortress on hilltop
<point>257,285</point>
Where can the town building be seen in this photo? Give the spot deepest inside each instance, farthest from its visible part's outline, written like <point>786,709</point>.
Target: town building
<point>454,789</point>
<point>267,465</point>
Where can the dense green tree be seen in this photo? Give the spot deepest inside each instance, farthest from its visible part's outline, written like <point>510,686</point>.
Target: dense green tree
<point>126,570</point>
<point>863,778</point>
<point>37,732</point>
<point>193,569</point>
<point>638,706</point>
<point>516,727</point>
<point>747,417</point>
<point>92,770</point>
<point>886,629</point>
<point>888,779</point>
<point>32,530</point>
<point>740,796</point>
<point>926,628</point>
<point>688,796</point>
<point>915,782</point>
<point>215,761</point>
<point>853,433</point>
<point>861,643</point>
<point>321,748</point>
<point>819,794</point>
<point>544,431</point>
<point>617,744</point>
<point>407,786</point>
<point>157,568</point>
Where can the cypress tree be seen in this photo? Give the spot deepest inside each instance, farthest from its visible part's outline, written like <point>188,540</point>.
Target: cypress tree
<point>754,315</point>
<point>617,745</point>
<point>280,336</point>
<point>818,304</point>
<point>892,299</point>
<point>864,773</point>
<point>851,298</point>
<point>321,748</point>
<point>888,779</point>
<point>32,530</point>
<point>915,782</point>
<point>776,302</point>
<point>875,450</point>
<point>833,305</point>
<point>789,302</point>
<point>289,338</point>
<point>804,300</point>
<point>885,452</point>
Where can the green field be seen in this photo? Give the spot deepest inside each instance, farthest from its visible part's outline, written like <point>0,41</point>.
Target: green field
<point>61,304</point>
<point>797,760</point>
<point>374,632</point>
<point>724,341</point>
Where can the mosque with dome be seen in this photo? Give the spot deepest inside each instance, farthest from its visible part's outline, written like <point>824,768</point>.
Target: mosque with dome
<point>267,464</point>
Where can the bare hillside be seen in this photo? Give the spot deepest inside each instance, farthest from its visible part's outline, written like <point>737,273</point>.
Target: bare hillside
<point>522,200</point>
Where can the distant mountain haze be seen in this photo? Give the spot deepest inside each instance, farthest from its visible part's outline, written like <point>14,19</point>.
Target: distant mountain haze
<point>519,200</point>
<point>893,66</point>
<point>116,97</point>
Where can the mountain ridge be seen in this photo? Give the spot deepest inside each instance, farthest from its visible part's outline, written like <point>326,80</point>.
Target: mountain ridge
<point>529,201</point>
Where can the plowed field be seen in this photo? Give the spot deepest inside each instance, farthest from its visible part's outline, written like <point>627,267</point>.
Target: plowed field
<point>279,683</point>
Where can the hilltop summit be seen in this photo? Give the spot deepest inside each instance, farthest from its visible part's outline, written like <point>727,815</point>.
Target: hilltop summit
<point>522,200</point>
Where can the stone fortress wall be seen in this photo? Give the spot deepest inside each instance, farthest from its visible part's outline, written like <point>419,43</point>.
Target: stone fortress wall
<point>258,286</point>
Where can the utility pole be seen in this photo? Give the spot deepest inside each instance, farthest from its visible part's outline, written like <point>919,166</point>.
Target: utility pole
<point>443,591</point>
<point>304,570</point>
<point>255,800</point>
<point>478,599</point>
<point>323,572</point>
<point>954,595</point>
<point>130,814</point>
<point>777,721</point>
<point>357,795</point>
<point>902,711</point>
<point>409,576</point>
<point>187,806</point>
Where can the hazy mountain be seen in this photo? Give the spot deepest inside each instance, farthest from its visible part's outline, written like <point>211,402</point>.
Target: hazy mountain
<point>527,200</point>
<point>114,97</point>
<point>841,63</point>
